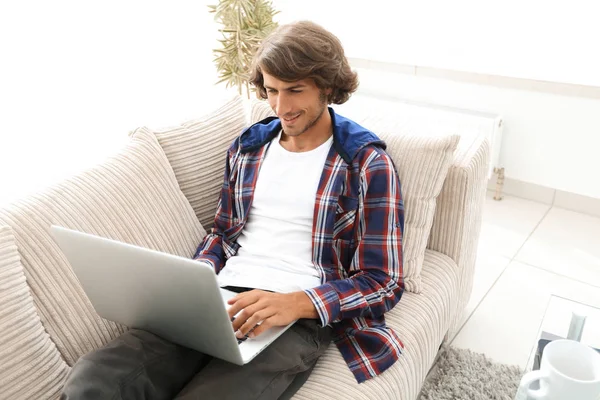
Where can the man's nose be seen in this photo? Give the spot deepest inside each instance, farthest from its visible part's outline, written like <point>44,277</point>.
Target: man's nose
<point>283,105</point>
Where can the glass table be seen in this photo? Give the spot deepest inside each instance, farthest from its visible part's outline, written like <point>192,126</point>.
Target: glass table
<point>555,325</point>
<point>556,321</point>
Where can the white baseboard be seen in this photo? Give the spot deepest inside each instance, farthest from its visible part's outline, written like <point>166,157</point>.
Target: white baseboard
<point>525,190</point>
<point>546,195</point>
<point>576,202</point>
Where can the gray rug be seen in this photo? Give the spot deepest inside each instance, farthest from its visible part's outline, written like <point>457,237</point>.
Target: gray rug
<point>464,375</point>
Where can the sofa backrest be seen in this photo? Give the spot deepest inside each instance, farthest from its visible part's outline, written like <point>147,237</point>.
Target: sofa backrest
<point>459,205</point>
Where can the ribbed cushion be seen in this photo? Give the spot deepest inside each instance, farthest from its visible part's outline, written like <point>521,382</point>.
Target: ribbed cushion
<point>197,150</point>
<point>422,163</point>
<point>421,321</point>
<point>132,197</point>
<point>259,110</point>
<point>30,364</point>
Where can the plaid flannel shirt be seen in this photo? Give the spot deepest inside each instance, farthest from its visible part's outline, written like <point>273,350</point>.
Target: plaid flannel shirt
<point>357,234</point>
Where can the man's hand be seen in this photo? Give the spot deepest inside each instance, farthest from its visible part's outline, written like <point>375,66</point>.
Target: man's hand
<point>272,309</point>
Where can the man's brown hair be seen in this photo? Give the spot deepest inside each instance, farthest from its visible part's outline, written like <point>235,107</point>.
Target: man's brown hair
<point>302,50</point>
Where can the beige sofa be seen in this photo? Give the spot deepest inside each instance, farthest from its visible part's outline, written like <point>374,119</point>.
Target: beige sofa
<point>161,191</point>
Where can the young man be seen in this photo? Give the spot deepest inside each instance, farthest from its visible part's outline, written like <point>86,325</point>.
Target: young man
<point>309,228</point>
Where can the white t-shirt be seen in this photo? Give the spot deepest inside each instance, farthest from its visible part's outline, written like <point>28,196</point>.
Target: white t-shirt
<point>276,242</point>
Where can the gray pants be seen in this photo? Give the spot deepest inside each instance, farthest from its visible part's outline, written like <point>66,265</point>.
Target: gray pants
<point>140,365</point>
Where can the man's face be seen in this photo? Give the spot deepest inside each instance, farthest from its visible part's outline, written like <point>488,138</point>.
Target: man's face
<point>299,105</point>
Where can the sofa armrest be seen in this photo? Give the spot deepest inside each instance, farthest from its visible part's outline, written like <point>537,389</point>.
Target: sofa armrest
<point>457,222</point>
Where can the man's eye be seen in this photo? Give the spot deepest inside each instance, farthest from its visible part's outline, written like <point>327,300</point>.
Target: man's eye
<point>296,91</point>
<point>271,91</point>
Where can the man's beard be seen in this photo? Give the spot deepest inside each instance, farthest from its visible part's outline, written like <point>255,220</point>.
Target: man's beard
<point>323,105</point>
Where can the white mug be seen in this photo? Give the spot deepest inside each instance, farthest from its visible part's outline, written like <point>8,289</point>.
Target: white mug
<point>569,370</point>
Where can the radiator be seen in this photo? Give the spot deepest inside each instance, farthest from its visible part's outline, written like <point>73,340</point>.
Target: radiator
<point>403,116</point>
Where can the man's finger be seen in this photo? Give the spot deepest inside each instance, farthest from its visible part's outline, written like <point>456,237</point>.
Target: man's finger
<point>238,296</point>
<point>241,303</point>
<point>254,320</point>
<point>267,323</point>
<point>245,316</point>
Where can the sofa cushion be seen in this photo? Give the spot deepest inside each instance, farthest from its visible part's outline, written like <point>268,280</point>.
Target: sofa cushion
<point>132,197</point>
<point>32,367</point>
<point>420,320</point>
<point>422,163</point>
<point>197,151</point>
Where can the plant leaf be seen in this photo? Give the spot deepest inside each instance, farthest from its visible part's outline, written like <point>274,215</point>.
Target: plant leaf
<point>245,23</point>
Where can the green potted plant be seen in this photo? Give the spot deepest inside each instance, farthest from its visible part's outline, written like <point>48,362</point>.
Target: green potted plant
<point>245,24</point>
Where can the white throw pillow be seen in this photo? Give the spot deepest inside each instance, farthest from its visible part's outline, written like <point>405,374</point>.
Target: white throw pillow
<point>422,163</point>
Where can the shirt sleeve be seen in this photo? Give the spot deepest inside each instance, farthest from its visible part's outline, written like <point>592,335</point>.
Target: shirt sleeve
<point>375,283</point>
<point>211,249</point>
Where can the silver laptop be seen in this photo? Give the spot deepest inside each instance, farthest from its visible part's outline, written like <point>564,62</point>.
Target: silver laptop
<point>173,297</point>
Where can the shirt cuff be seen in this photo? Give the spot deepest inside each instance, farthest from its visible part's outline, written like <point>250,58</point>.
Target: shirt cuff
<point>206,262</point>
<point>327,303</point>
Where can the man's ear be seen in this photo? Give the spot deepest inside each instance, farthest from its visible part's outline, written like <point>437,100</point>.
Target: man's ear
<point>327,92</point>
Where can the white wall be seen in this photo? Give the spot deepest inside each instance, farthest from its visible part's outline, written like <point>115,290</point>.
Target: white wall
<point>77,76</point>
<point>548,139</point>
<point>553,40</point>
